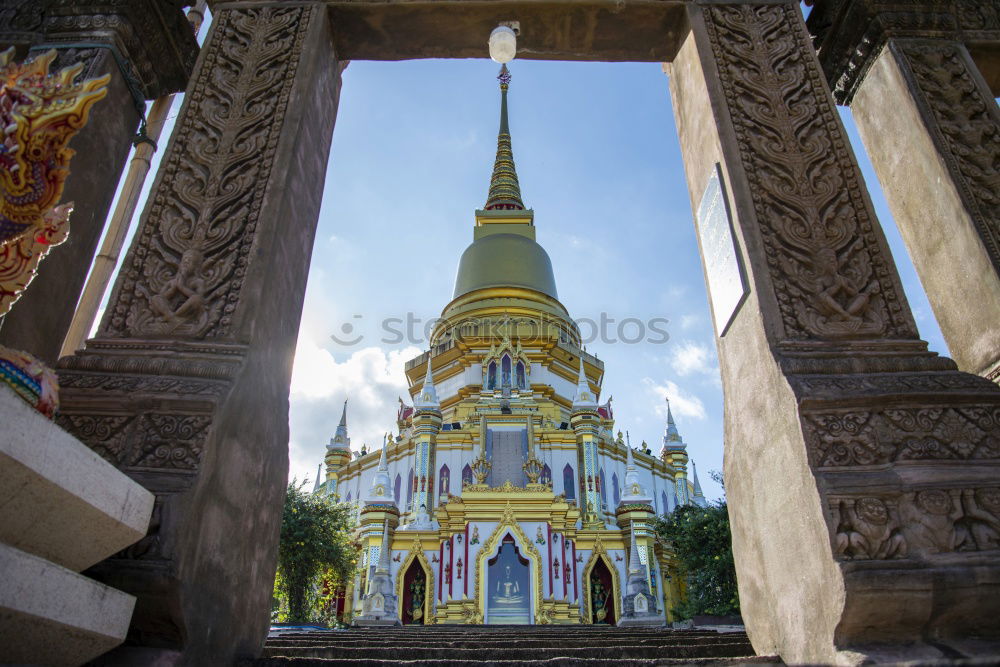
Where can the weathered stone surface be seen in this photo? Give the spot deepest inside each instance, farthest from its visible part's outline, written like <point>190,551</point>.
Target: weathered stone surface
<point>850,34</point>
<point>927,115</point>
<point>943,127</point>
<point>157,50</point>
<point>861,470</point>
<point>52,616</point>
<point>189,395</point>
<point>59,500</point>
<point>638,30</point>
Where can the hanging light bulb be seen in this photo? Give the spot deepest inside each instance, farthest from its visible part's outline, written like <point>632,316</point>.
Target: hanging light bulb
<point>503,44</point>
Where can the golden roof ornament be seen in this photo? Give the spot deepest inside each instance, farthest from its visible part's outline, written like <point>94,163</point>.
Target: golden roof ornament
<point>505,191</point>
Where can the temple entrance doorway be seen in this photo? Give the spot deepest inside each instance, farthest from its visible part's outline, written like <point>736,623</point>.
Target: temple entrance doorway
<point>508,584</point>
<point>600,590</point>
<point>414,595</point>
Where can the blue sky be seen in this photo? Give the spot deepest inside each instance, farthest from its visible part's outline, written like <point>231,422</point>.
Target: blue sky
<point>598,161</point>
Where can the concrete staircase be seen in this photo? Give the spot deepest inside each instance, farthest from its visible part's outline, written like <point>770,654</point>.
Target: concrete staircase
<point>62,509</point>
<point>550,645</point>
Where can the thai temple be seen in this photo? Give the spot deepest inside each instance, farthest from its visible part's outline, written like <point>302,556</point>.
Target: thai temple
<point>506,496</point>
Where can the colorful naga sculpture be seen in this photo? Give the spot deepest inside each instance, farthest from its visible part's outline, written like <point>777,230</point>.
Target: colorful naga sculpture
<point>39,114</point>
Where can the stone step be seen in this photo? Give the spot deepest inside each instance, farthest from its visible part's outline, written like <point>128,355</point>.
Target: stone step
<point>525,643</point>
<point>514,652</point>
<point>58,498</point>
<point>552,662</point>
<point>406,635</point>
<point>50,615</point>
<point>489,636</point>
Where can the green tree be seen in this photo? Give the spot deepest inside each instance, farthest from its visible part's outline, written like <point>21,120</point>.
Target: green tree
<point>315,548</point>
<point>702,542</point>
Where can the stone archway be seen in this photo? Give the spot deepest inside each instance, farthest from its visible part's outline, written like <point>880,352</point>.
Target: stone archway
<point>169,393</point>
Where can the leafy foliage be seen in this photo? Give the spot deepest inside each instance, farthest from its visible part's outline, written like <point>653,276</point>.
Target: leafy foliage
<point>315,553</point>
<point>700,538</point>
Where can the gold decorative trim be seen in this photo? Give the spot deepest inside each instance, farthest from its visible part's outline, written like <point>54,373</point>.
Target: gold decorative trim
<point>417,554</point>
<point>508,524</point>
<point>600,553</point>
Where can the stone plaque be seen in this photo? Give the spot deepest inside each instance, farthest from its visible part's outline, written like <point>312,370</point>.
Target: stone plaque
<point>727,287</point>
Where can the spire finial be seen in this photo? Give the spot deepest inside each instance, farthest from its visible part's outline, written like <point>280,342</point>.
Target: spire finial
<point>382,464</point>
<point>505,191</point>
<point>383,556</point>
<point>672,434</point>
<point>340,439</point>
<point>428,398</point>
<point>634,564</point>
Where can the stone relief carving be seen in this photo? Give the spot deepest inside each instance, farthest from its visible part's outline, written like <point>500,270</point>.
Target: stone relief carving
<point>917,523</point>
<point>967,130</point>
<point>871,437</point>
<point>830,276</point>
<point>185,270</point>
<point>154,37</point>
<point>977,15</point>
<point>167,441</point>
<point>868,530</point>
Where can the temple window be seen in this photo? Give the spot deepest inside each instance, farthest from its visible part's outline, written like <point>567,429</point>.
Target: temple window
<point>409,489</point>
<point>569,484</point>
<point>546,476</point>
<point>505,371</point>
<point>444,480</point>
<point>395,487</point>
<point>467,474</point>
<point>491,376</point>
<point>522,382</point>
<point>614,487</point>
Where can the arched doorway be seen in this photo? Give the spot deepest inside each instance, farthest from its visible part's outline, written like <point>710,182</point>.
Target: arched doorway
<point>601,593</point>
<point>414,608</point>
<point>509,586</point>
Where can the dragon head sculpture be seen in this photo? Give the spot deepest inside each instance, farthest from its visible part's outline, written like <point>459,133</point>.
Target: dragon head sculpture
<point>39,114</point>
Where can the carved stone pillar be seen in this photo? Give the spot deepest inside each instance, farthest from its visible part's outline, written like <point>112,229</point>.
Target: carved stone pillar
<point>148,49</point>
<point>185,387</point>
<point>861,470</point>
<point>932,130</point>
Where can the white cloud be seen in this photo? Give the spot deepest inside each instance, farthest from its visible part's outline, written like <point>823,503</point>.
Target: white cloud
<point>681,403</point>
<point>688,321</point>
<point>688,357</point>
<point>371,379</point>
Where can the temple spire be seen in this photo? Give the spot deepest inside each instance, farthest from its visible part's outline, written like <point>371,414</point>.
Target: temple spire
<point>672,434</point>
<point>634,564</point>
<point>505,191</point>
<point>427,399</point>
<point>383,555</point>
<point>585,398</point>
<point>340,439</point>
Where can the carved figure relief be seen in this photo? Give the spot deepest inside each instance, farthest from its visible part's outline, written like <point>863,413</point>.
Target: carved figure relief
<point>922,522</point>
<point>867,531</point>
<point>830,276</point>
<point>186,268</point>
